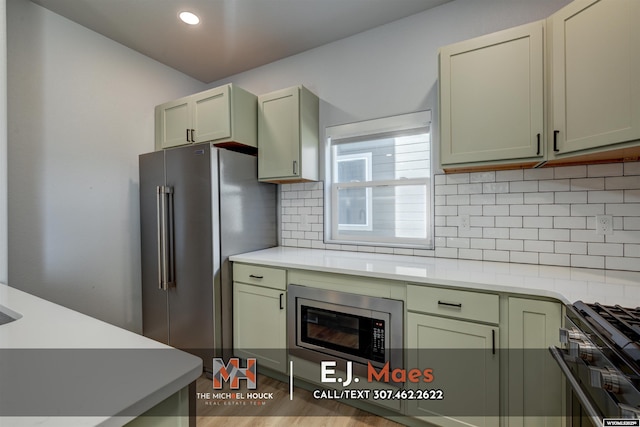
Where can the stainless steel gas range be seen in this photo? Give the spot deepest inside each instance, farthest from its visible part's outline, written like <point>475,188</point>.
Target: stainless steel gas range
<point>601,362</point>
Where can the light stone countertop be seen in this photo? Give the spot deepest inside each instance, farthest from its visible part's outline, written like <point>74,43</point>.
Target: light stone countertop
<point>565,284</point>
<point>60,367</point>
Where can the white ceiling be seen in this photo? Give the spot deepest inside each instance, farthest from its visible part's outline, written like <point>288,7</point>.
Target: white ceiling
<point>233,35</point>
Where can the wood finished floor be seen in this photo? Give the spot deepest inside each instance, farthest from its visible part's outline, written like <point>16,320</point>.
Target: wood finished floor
<point>305,410</point>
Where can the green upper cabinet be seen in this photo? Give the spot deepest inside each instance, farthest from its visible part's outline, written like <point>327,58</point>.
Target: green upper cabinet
<point>595,75</point>
<point>561,91</point>
<point>226,116</point>
<point>491,98</point>
<point>288,136</point>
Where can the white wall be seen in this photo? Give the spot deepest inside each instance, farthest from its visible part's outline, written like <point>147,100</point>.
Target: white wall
<point>80,111</point>
<point>391,69</point>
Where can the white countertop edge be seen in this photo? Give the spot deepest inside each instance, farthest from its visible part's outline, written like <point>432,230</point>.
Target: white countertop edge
<point>44,325</point>
<point>565,284</point>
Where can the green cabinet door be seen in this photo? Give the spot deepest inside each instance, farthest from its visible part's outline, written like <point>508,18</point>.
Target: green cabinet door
<point>464,358</point>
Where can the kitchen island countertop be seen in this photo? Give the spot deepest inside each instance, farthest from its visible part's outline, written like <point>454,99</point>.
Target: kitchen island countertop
<point>566,284</point>
<point>60,367</point>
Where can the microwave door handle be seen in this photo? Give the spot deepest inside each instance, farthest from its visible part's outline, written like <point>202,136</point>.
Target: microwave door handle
<point>596,419</point>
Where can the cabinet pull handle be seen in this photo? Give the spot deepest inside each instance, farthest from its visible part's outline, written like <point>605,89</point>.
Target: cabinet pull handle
<point>538,152</point>
<point>253,276</point>
<point>555,140</point>
<point>493,341</point>
<point>450,304</point>
<point>192,138</point>
<point>281,305</point>
<point>295,167</point>
<point>188,135</point>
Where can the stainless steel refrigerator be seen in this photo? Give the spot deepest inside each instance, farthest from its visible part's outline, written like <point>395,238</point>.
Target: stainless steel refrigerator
<point>198,206</point>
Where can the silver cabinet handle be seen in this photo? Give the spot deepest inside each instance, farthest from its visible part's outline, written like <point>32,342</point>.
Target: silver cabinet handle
<point>295,167</point>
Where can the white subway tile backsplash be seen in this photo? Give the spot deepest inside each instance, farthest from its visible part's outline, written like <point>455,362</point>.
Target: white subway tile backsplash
<point>564,197</point>
<point>501,256</point>
<point>538,198</point>
<point>509,221</point>
<point>555,210</point>
<point>607,196</point>
<point>482,243</point>
<point>586,236</point>
<point>620,209</point>
<point>537,222</point>
<point>555,185</point>
<point>632,196</point>
<point>524,210</point>
<point>622,183</point>
<point>632,251</point>
<point>495,187</point>
<point>570,172</point>
<point>632,223</point>
<point>578,248</point>
<point>510,199</point>
<point>632,168</point>
<point>495,210</point>
<point>510,245</point>
<point>554,234</point>
<point>538,174</point>
<point>569,222</point>
<point>458,178</point>
<point>538,246</point>
<point>523,186</point>
<point>524,257</point>
<point>555,259</point>
<point>470,188</point>
<point>482,176</point>
<point>483,199</point>
<point>536,216</point>
<point>523,233</point>
<point>608,249</point>
<point>587,210</point>
<point>587,184</point>
<point>587,261</point>
<point>513,175</point>
<point>609,169</point>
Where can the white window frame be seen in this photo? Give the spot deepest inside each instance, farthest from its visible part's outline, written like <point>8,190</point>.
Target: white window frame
<point>376,127</point>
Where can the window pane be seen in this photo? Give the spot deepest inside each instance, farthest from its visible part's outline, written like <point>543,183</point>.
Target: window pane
<point>352,207</point>
<point>352,170</point>
<point>388,158</point>
<point>397,212</point>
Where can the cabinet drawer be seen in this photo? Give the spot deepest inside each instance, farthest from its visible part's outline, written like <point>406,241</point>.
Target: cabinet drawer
<point>454,303</point>
<point>263,276</point>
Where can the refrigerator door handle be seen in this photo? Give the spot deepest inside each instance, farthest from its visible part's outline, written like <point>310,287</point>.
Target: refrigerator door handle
<point>169,258</point>
<point>159,222</point>
<point>165,237</point>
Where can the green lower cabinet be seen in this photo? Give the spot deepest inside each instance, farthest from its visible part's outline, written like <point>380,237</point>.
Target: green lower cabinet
<point>535,383</point>
<point>465,365</point>
<point>260,324</point>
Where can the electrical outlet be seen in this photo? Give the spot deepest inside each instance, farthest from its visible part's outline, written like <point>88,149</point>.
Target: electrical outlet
<point>463,222</point>
<point>604,224</point>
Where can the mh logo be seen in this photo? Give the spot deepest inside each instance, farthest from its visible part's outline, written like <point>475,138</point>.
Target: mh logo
<point>232,371</point>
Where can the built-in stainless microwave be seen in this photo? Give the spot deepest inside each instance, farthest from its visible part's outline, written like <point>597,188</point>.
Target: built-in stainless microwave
<point>332,325</point>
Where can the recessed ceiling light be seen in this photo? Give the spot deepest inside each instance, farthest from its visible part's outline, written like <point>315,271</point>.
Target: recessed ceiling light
<point>189,18</point>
